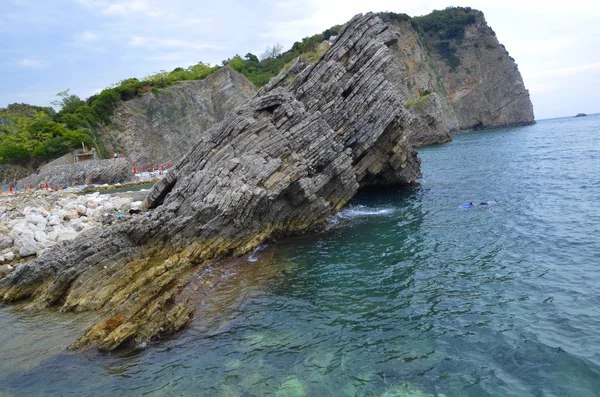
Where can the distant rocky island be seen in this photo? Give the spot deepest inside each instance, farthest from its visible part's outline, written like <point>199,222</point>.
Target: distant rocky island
<point>580,115</point>
<point>280,161</point>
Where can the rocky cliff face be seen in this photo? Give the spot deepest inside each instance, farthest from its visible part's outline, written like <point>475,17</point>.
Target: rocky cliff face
<point>486,89</point>
<point>158,128</point>
<point>415,76</point>
<point>281,163</point>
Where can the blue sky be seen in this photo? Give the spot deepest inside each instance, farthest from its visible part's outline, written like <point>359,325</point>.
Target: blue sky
<point>47,46</point>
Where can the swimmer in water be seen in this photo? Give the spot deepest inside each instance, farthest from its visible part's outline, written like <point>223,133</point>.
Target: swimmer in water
<point>489,203</point>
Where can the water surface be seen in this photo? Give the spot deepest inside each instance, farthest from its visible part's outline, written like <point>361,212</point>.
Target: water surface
<point>410,294</point>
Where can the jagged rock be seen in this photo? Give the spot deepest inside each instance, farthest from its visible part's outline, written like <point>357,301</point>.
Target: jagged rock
<point>41,237</point>
<point>64,172</point>
<point>56,219</point>
<point>282,163</point>
<point>21,228</point>
<point>122,203</point>
<point>77,224</point>
<point>71,214</point>
<point>429,119</point>
<point>36,219</point>
<point>29,247</point>
<point>5,269</point>
<point>486,90</point>
<point>5,242</point>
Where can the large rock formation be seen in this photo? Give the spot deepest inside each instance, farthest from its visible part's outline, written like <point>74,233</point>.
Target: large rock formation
<point>478,83</point>
<point>281,163</point>
<point>486,89</point>
<point>481,89</point>
<point>158,128</point>
<point>416,77</point>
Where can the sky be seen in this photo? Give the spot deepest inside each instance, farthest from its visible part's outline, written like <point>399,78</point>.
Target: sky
<point>48,46</point>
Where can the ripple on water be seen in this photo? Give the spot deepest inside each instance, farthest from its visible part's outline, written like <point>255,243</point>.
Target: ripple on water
<point>407,295</point>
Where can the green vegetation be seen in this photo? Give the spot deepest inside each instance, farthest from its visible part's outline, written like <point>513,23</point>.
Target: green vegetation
<point>419,101</point>
<point>272,61</point>
<point>32,135</point>
<point>32,132</point>
<point>392,16</point>
<point>448,24</point>
<point>445,28</point>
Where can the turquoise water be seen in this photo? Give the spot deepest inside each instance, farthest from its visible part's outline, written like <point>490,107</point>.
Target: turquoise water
<point>134,188</point>
<point>409,294</point>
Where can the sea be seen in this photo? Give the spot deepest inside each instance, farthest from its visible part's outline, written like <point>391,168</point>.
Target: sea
<point>410,292</point>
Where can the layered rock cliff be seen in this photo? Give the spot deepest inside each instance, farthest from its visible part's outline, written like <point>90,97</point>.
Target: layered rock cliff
<point>281,163</point>
<point>478,84</point>
<point>452,77</point>
<point>486,89</point>
<point>158,128</point>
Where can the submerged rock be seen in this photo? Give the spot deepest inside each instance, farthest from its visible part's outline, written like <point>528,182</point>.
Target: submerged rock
<point>291,387</point>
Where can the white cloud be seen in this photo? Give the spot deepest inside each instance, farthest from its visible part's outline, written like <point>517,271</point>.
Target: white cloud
<point>153,42</point>
<point>135,7</point>
<point>565,71</point>
<point>87,36</point>
<point>32,63</point>
<point>89,41</point>
<point>124,8</point>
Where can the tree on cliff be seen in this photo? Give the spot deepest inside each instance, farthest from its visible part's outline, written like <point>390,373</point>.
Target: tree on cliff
<point>272,52</point>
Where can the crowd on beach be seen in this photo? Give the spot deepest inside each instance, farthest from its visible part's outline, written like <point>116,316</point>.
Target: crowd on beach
<point>143,174</point>
<point>150,173</point>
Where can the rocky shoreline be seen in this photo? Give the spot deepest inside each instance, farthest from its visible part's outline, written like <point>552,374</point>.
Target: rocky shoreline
<point>280,164</point>
<point>32,222</point>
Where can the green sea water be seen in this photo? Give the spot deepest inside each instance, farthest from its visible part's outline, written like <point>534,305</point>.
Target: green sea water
<point>408,294</point>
